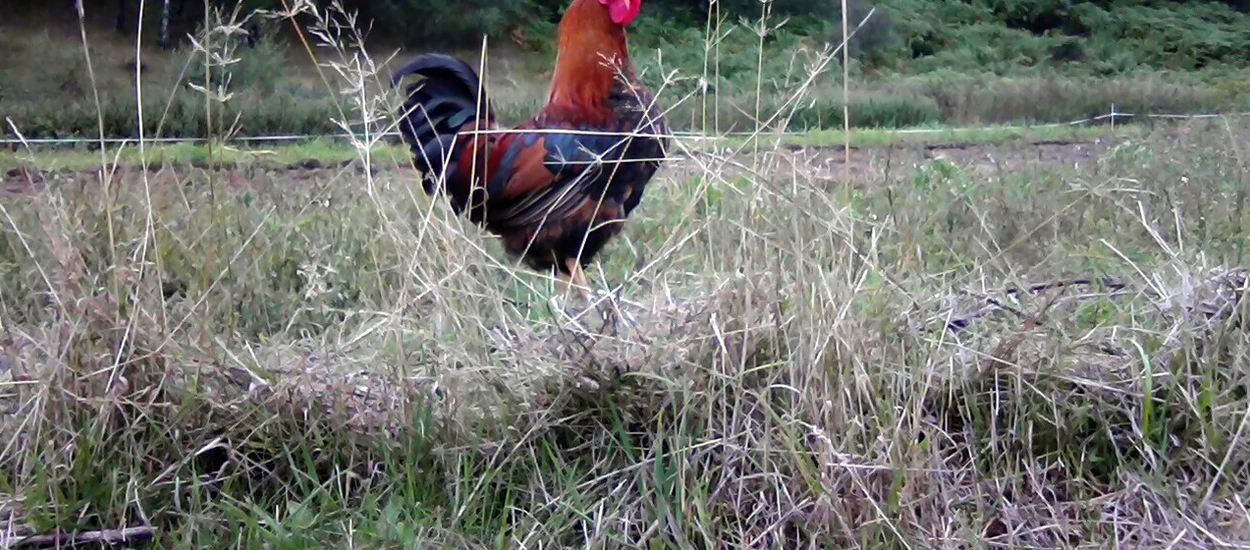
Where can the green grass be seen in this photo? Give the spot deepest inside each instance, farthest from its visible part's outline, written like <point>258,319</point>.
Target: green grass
<point>324,151</point>
<point>328,151</point>
<point>936,136</point>
<point>261,358</point>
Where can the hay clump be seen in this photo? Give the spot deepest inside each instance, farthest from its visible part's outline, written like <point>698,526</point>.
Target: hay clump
<point>672,335</point>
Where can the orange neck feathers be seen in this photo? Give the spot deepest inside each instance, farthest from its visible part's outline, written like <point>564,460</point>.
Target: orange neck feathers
<point>588,39</point>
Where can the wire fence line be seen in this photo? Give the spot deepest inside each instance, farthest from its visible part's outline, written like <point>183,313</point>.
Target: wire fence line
<point>1111,116</point>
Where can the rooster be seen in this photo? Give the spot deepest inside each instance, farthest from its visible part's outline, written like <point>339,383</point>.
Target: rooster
<point>557,187</point>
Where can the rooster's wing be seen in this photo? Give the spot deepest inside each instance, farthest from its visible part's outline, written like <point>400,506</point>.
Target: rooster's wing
<point>538,175</point>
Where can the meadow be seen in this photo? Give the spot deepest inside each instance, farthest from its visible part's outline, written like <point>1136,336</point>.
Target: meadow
<point>985,338</point>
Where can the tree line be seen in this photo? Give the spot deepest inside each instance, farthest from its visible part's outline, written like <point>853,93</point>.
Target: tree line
<point>1211,31</point>
<point>427,21</point>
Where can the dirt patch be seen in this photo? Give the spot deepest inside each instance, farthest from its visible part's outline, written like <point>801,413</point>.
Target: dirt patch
<point>233,176</point>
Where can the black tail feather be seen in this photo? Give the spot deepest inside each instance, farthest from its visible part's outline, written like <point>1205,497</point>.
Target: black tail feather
<point>437,108</point>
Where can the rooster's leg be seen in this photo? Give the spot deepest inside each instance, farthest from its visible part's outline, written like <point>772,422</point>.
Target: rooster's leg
<point>577,279</point>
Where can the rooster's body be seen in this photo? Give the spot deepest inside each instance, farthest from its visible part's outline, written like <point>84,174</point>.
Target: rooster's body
<point>557,187</point>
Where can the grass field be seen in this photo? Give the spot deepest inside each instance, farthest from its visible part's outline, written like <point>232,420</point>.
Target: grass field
<point>982,339</point>
<point>303,356</point>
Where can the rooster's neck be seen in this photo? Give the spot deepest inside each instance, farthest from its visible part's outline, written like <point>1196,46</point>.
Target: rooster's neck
<point>590,53</point>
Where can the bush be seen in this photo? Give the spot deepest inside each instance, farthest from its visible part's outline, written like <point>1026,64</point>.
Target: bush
<point>1012,36</point>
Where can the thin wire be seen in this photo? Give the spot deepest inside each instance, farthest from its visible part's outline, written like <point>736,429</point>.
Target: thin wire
<point>678,134</point>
